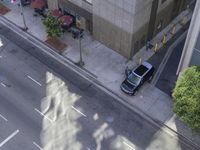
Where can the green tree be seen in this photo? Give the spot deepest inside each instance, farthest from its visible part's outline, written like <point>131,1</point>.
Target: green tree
<point>186,96</point>
<point>53,27</point>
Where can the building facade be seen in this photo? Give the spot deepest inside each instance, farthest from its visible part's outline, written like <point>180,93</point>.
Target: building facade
<point>122,25</point>
<point>191,51</point>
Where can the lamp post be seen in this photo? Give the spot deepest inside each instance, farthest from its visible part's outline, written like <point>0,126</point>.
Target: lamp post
<point>25,28</point>
<point>78,34</point>
<point>81,63</point>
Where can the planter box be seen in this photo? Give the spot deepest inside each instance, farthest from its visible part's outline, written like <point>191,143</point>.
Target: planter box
<point>56,44</point>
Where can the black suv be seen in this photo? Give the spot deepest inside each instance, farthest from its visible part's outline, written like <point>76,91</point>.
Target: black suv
<point>135,78</point>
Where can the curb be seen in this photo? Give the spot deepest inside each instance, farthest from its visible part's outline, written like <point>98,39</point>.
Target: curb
<point>86,75</point>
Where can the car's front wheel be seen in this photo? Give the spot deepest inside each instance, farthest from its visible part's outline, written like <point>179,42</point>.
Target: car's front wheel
<point>151,77</point>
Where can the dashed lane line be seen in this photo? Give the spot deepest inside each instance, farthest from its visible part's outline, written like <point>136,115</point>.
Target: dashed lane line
<point>43,115</point>
<point>37,145</point>
<point>34,80</point>
<point>8,138</point>
<point>128,145</point>
<point>79,111</point>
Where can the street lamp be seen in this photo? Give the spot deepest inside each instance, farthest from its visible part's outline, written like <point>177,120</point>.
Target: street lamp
<point>78,34</point>
<point>25,28</point>
<point>22,13</point>
<point>81,63</point>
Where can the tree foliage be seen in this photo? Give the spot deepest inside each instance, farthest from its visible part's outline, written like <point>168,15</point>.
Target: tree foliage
<point>53,27</point>
<point>186,96</point>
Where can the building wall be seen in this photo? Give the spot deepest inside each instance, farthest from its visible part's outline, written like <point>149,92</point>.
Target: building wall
<point>191,51</point>
<point>52,4</point>
<point>195,58</point>
<point>164,13</point>
<point>141,19</point>
<point>81,10</point>
<point>122,25</point>
<point>116,21</point>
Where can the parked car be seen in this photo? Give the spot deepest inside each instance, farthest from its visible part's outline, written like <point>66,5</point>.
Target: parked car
<point>136,77</point>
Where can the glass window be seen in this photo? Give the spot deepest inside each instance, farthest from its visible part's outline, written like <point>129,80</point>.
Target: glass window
<point>197,46</point>
<point>195,60</point>
<point>134,79</point>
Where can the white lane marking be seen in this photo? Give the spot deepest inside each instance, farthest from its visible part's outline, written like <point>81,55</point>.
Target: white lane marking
<point>128,145</point>
<point>3,117</point>
<point>8,138</point>
<point>34,80</point>
<point>43,115</point>
<point>79,111</point>
<point>3,84</point>
<point>37,145</point>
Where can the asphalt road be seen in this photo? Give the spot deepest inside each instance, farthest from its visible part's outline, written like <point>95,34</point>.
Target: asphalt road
<point>168,77</point>
<point>43,110</point>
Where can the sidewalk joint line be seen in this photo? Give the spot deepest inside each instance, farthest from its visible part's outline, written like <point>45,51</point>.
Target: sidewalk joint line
<point>37,145</point>
<point>128,145</point>
<point>34,80</point>
<point>43,115</point>
<point>78,111</point>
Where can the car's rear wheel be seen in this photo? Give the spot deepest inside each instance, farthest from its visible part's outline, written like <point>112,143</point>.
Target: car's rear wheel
<point>151,77</point>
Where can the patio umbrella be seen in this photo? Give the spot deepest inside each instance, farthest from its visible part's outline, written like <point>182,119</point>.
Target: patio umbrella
<point>66,20</point>
<point>39,4</point>
<point>56,13</point>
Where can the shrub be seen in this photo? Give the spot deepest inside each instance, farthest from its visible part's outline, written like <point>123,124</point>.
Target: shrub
<point>53,27</point>
<point>186,96</point>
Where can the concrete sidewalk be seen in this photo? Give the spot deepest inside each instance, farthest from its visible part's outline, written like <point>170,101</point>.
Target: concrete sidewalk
<point>108,67</point>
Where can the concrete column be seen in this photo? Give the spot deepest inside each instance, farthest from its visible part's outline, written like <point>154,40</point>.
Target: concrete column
<point>52,4</point>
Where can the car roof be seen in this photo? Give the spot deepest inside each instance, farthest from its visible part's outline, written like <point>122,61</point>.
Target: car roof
<point>148,65</point>
<point>142,69</point>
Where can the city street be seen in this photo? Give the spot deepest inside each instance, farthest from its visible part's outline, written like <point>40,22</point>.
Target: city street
<point>41,110</point>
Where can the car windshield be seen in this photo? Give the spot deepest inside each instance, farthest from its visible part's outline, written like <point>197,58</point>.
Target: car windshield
<point>134,79</point>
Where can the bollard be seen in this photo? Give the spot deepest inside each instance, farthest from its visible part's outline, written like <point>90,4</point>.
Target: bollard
<point>183,21</point>
<point>140,61</point>
<point>155,48</point>
<point>164,39</point>
<point>173,31</point>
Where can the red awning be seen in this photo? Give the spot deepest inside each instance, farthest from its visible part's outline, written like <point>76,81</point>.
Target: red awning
<point>56,13</point>
<point>37,4</point>
<point>66,20</point>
